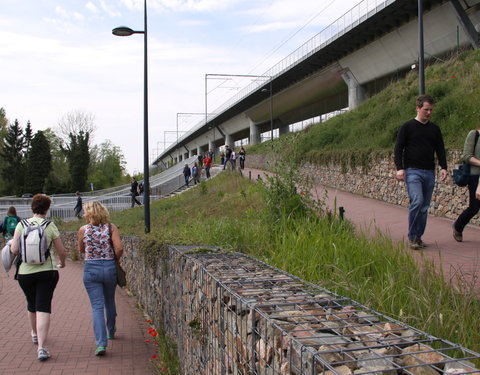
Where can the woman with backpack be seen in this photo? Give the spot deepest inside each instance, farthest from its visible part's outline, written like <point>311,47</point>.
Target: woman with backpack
<point>100,243</point>
<point>10,223</point>
<point>38,280</point>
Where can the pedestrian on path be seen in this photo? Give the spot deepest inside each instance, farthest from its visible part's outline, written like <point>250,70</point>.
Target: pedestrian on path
<point>417,141</point>
<point>100,242</point>
<point>471,155</point>
<point>78,206</point>
<point>134,192</point>
<point>186,174</point>
<point>207,162</point>
<point>38,281</point>
<point>10,223</point>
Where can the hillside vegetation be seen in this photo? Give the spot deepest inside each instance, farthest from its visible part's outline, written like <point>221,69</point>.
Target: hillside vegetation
<point>454,84</point>
<point>282,226</point>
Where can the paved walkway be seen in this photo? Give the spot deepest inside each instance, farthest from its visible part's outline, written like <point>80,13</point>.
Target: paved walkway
<point>460,262</point>
<point>71,341</point>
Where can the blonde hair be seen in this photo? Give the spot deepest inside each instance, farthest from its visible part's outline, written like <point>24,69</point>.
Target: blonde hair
<point>96,213</point>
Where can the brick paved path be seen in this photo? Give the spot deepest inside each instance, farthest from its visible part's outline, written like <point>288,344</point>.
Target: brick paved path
<point>459,262</point>
<point>71,341</point>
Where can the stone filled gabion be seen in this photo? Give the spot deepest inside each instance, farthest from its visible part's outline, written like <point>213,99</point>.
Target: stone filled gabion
<point>231,314</point>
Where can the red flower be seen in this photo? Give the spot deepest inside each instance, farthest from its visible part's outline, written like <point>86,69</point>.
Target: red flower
<point>147,340</point>
<point>154,333</point>
<point>154,356</point>
<point>149,321</point>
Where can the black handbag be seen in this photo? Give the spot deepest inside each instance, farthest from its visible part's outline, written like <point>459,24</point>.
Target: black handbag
<point>461,175</point>
<point>121,274</point>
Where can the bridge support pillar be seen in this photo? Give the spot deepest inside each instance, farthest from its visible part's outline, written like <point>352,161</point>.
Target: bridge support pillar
<point>199,150</point>
<point>356,93</point>
<point>472,34</point>
<point>211,146</point>
<point>229,140</point>
<point>283,129</point>
<point>254,134</point>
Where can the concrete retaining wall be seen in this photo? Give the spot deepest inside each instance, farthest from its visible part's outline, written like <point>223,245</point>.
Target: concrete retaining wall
<point>377,181</point>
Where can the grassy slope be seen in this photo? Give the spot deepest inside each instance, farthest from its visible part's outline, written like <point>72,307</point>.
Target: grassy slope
<point>455,85</point>
<point>229,212</point>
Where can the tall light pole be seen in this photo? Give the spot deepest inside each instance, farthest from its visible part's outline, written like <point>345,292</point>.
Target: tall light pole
<point>421,60</point>
<point>271,110</point>
<point>126,31</point>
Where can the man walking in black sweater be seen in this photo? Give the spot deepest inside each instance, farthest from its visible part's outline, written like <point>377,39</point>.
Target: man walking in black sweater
<point>417,142</point>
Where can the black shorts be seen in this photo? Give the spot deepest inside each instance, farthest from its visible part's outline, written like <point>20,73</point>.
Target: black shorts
<point>38,288</point>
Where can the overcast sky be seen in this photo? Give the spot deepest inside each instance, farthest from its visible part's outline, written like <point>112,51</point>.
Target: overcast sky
<point>59,56</point>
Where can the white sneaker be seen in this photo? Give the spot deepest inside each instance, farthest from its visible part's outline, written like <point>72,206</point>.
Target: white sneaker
<point>43,354</point>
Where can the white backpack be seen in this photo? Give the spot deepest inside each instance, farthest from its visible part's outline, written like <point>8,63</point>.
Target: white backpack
<point>34,243</point>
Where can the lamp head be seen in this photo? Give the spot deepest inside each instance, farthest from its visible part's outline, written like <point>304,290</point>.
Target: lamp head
<point>122,31</point>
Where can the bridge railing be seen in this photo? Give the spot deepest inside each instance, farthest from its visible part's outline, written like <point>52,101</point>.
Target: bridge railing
<point>352,18</point>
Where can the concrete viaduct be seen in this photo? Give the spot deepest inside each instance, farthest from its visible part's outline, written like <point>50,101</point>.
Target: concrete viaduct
<point>349,61</point>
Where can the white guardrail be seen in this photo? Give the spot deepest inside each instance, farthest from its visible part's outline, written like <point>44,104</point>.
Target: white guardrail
<point>115,199</point>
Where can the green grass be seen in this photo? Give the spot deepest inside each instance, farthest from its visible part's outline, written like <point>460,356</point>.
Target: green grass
<point>229,212</point>
<point>455,85</point>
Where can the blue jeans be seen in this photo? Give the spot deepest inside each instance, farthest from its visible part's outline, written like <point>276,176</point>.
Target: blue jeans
<point>100,280</point>
<point>420,184</point>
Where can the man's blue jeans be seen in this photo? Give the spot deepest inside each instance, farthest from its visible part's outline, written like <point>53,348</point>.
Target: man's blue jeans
<point>100,280</point>
<point>420,184</point>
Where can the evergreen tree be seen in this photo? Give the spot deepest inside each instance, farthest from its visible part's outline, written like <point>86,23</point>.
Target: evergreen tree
<point>78,158</point>
<point>12,160</point>
<point>39,164</point>
<point>58,180</point>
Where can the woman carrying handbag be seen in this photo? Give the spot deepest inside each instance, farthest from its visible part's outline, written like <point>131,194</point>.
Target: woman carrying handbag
<point>100,243</point>
<point>471,155</point>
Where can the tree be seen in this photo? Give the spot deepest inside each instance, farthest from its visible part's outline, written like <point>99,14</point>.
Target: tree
<point>107,165</point>
<point>78,158</point>
<point>13,159</point>
<point>58,180</point>
<point>39,164</point>
<point>75,122</point>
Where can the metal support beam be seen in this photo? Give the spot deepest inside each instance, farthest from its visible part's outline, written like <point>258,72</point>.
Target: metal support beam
<point>467,25</point>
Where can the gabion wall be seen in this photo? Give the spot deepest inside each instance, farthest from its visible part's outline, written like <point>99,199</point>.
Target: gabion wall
<point>232,314</point>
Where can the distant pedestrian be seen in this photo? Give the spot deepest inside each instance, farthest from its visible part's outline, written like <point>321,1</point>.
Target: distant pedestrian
<point>100,242</point>
<point>186,174</point>
<point>134,192</point>
<point>200,160</point>
<point>38,281</point>
<point>10,223</point>
<point>140,188</point>
<point>471,155</point>
<point>222,158</point>
<point>207,163</point>
<point>228,154</point>
<point>233,159</point>
<point>418,140</point>
<point>78,206</point>
<point>196,173</point>
<point>241,155</point>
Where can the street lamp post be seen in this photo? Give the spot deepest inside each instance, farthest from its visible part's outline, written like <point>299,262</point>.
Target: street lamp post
<point>126,31</point>
<point>421,59</point>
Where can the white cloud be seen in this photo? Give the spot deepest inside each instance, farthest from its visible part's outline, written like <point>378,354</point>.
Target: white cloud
<point>193,23</point>
<point>109,9</point>
<point>91,7</point>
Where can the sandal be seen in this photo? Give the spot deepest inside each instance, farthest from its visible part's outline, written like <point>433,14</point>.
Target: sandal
<point>34,338</point>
